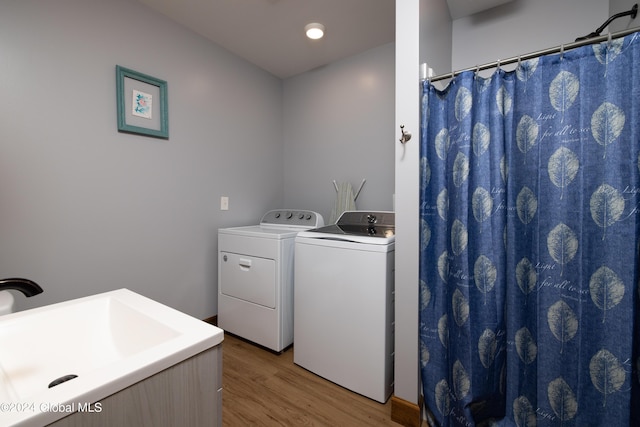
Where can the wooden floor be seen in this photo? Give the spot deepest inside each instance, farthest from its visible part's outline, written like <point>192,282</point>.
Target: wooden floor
<point>261,388</point>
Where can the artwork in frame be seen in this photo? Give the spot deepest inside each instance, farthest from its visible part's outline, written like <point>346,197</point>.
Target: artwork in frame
<point>142,103</point>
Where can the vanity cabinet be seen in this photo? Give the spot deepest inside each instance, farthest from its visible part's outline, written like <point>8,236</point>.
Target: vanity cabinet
<point>186,394</point>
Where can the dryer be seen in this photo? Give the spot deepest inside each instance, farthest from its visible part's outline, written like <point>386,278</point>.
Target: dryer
<point>255,277</point>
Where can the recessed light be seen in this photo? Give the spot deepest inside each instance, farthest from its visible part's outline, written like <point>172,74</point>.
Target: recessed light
<point>314,30</point>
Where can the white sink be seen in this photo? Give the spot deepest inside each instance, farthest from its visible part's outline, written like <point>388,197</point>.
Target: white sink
<point>110,341</point>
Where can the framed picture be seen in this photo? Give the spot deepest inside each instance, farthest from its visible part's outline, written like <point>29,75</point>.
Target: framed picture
<point>142,104</point>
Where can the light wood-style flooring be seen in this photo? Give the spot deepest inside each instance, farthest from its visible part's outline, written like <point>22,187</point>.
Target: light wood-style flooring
<point>261,388</point>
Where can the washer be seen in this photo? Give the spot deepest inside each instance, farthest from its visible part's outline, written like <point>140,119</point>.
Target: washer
<point>255,277</point>
<point>343,299</point>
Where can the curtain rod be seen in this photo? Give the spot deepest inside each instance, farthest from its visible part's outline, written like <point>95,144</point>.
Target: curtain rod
<point>532,55</point>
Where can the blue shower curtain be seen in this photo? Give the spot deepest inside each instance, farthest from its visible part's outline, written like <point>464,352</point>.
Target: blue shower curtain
<point>530,191</point>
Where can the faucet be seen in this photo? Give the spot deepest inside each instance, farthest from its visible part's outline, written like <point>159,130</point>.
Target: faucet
<point>26,286</point>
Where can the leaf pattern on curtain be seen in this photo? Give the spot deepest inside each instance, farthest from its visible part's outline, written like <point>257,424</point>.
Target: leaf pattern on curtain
<point>527,134</point>
<point>482,204</point>
<point>526,69</point>
<point>426,234</point>
<point>524,413</point>
<point>504,169</point>
<point>563,91</point>
<point>464,102</point>
<point>607,123</point>
<point>526,346</point>
<point>504,101</point>
<point>563,399</point>
<point>606,206</point>
<point>529,224</point>
<point>425,172</point>
<point>485,275</point>
<point>459,237</point>
<point>442,144</point>
<point>527,205</point>
<point>443,401</point>
<point>443,267</point>
<point>460,307</point>
<point>443,204</point>
<point>562,243</point>
<point>607,373</point>
<point>487,346</point>
<point>563,168</point>
<point>606,289</point>
<point>424,354</point>
<point>480,139</point>
<point>461,381</point>
<point>606,53</point>
<point>460,169</point>
<point>563,322</point>
<point>526,276</point>
<point>443,330</point>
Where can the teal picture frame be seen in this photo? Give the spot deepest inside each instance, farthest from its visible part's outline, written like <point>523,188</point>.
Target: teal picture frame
<point>142,104</point>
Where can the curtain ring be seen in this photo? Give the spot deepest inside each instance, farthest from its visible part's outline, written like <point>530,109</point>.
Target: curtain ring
<point>609,40</point>
<point>498,64</point>
<point>519,61</point>
<point>561,52</point>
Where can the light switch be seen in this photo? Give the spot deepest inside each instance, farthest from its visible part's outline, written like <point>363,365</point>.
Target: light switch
<point>224,203</point>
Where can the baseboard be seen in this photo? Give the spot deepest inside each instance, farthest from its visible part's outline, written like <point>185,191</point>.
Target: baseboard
<point>213,320</point>
<point>404,412</point>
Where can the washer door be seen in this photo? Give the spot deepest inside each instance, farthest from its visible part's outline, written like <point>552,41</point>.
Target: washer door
<point>248,278</point>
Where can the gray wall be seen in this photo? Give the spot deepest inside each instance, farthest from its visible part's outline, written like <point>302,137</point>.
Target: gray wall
<point>339,126</point>
<point>436,30</point>
<point>85,209</point>
<point>523,26</point>
<point>617,6</point>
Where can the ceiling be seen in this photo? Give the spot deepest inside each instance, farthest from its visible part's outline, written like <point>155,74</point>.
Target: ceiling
<point>270,33</point>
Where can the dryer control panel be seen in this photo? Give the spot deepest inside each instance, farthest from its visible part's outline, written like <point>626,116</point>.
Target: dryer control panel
<point>292,218</point>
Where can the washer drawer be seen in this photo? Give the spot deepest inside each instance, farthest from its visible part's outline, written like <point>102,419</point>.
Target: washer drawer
<point>249,278</point>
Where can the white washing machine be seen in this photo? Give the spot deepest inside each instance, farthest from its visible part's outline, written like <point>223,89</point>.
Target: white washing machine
<point>255,277</point>
<point>343,299</point>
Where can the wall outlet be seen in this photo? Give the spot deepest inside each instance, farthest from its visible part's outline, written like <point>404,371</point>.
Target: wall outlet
<point>224,203</point>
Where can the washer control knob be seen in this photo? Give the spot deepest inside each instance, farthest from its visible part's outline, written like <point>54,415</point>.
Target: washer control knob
<point>371,219</point>
<point>277,215</point>
<point>301,216</point>
<point>308,217</point>
<point>289,215</point>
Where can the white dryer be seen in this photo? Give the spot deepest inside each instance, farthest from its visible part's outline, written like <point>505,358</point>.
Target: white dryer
<point>255,277</point>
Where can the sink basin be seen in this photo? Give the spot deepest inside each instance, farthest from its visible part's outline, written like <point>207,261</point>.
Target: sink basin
<point>107,341</point>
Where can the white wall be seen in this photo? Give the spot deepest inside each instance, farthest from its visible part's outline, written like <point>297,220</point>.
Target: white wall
<point>85,209</point>
<point>338,125</point>
<point>423,34</point>
<point>406,373</point>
